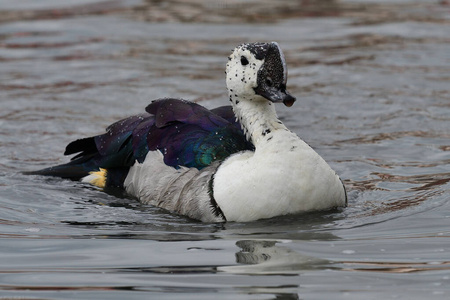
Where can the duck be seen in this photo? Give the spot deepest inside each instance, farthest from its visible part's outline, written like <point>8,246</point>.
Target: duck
<point>234,163</point>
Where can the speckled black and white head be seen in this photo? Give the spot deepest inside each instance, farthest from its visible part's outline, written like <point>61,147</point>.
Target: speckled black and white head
<point>256,71</point>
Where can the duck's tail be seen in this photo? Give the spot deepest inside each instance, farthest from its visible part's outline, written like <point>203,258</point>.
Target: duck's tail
<point>67,171</point>
<point>100,177</point>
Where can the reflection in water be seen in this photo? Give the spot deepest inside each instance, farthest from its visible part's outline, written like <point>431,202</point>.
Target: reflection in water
<point>267,257</point>
<point>396,267</point>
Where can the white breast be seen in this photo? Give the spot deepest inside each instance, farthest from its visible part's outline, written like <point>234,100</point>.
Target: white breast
<point>284,176</point>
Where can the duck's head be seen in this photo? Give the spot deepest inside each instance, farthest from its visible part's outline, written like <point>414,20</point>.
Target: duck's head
<point>258,71</point>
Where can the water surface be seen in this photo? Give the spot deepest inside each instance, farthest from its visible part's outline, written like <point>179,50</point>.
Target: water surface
<point>372,82</point>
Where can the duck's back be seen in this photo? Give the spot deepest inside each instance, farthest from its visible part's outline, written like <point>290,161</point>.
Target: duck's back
<point>185,133</point>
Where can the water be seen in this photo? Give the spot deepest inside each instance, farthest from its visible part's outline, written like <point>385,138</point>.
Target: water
<point>372,82</point>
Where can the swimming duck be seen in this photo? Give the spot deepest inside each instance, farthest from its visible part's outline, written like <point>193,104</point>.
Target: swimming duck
<point>232,163</point>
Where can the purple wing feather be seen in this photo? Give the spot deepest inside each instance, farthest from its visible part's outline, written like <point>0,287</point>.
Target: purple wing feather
<point>169,110</point>
<point>226,112</point>
<point>187,134</point>
<point>190,135</point>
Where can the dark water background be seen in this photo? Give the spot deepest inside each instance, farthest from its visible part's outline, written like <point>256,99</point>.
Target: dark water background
<point>372,80</point>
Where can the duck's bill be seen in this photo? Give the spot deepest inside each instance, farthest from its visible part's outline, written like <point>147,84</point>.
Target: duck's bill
<point>277,96</point>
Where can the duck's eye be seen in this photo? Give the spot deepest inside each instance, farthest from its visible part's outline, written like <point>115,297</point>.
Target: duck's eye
<point>244,61</point>
<point>269,82</point>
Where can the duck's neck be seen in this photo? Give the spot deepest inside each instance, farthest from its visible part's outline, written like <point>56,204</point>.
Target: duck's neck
<point>258,118</point>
